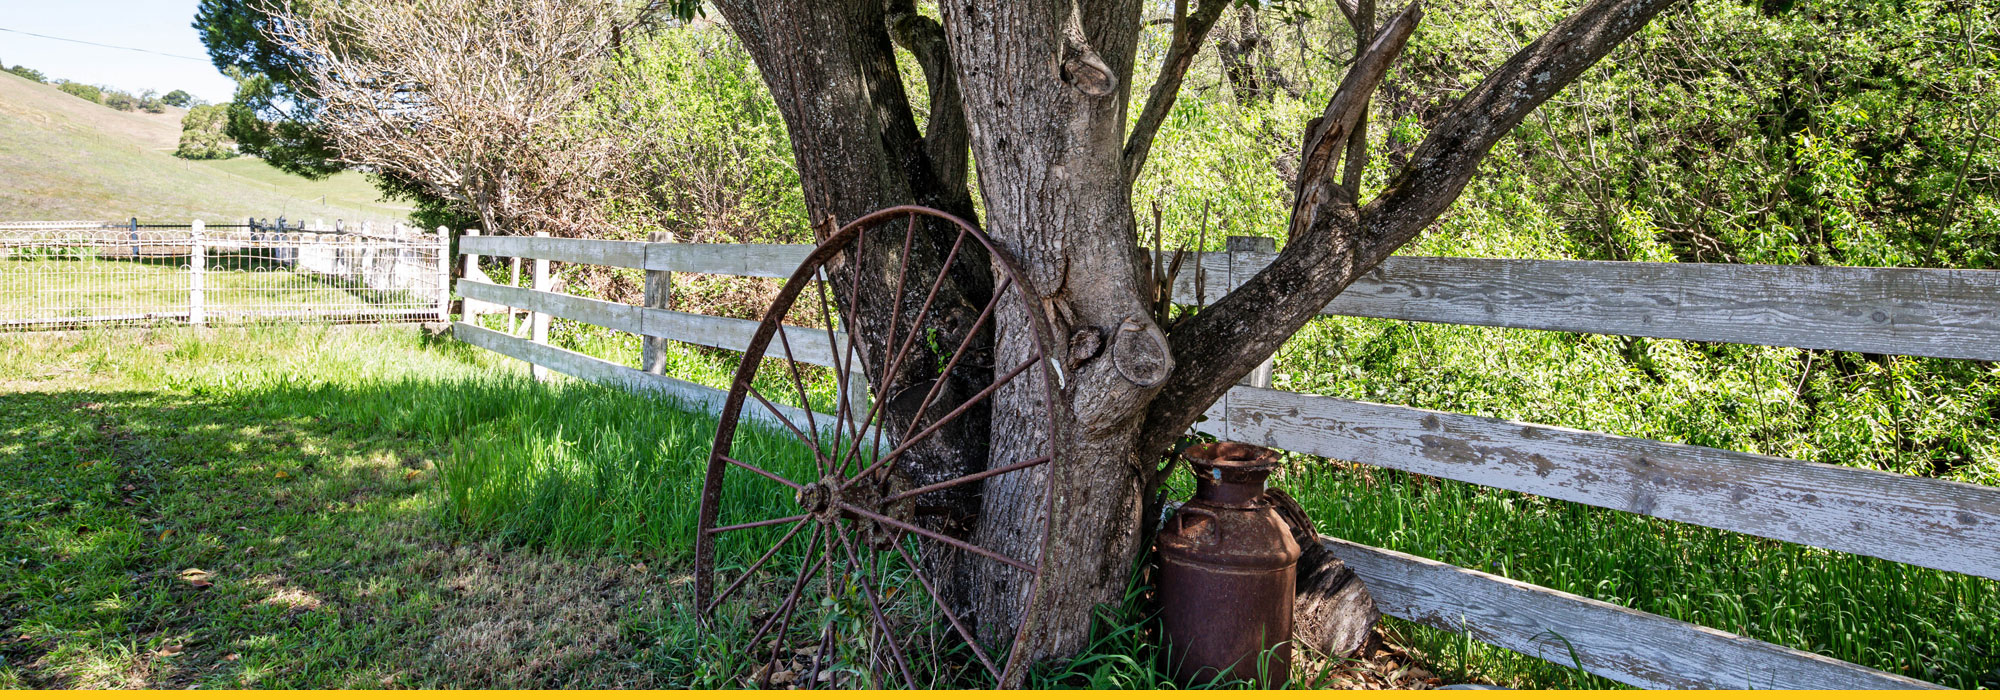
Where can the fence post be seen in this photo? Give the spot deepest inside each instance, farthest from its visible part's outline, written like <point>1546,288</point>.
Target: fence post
<point>1241,268</point>
<point>539,328</point>
<point>197,274</point>
<point>659,295</point>
<point>514,321</point>
<point>443,273</point>
<point>471,267</point>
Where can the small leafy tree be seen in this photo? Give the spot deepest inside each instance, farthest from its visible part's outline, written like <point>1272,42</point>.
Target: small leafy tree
<point>120,100</point>
<point>202,136</point>
<point>180,98</point>
<point>88,92</point>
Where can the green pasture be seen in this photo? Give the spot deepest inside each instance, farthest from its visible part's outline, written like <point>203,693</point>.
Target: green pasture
<point>277,506</point>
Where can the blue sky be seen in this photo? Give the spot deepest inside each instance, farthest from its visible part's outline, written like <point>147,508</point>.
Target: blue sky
<point>154,25</point>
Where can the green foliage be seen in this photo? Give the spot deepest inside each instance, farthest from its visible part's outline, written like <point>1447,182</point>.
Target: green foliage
<point>202,133</point>
<point>29,73</point>
<point>180,98</point>
<point>120,100</point>
<point>88,92</point>
<point>690,113</point>
<point>270,116</point>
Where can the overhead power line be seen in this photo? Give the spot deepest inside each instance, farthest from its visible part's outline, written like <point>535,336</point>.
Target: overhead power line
<point>108,46</point>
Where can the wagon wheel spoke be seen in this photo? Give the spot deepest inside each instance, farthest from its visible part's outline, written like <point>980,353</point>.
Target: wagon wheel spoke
<point>970,478</point>
<point>761,472</point>
<point>963,633</point>
<point>875,606</point>
<point>806,573</point>
<point>805,401</point>
<point>747,573</point>
<point>760,523</point>
<point>947,418</point>
<point>941,537</point>
<point>916,326</point>
<point>818,458</point>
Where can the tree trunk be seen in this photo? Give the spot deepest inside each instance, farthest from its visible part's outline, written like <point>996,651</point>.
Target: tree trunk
<point>1043,85</point>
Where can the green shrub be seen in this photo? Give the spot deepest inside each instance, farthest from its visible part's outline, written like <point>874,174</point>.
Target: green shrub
<point>180,98</point>
<point>29,73</point>
<point>88,92</point>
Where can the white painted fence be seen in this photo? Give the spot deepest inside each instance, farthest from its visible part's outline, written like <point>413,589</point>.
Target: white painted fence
<point>68,275</point>
<point>1927,522</point>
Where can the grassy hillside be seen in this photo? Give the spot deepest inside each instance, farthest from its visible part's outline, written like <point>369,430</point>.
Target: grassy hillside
<point>64,158</point>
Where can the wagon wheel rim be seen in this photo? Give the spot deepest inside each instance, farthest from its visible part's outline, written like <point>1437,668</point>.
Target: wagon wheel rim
<point>856,507</point>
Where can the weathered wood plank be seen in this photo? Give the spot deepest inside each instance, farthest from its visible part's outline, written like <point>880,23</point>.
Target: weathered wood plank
<point>585,367</point>
<point>1924,312</point>
<point>809,345</point>
<point>1619,643</point>
<point>1928,522</point>
<point>623,317</point>
<point>588,251</point>
<point>745,259</point>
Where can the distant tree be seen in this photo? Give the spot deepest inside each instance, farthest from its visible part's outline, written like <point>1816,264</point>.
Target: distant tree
<point>180,98</point>
<point>149,101</point>
<point>88,92</point>
<point>29,73</point>
<point>270,116</point>
<point>202,133</point>
<point>119,100</point>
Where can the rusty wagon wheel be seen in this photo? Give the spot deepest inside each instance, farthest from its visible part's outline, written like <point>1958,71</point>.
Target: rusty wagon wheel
<point>866,603</point>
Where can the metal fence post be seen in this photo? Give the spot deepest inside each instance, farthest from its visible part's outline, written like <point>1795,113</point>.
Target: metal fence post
<point>659,295</point>
<point>1242,265</point>
<point>197,275</point>
<point>443,273</point>
<point>471,266</point>
<point>539,328</point>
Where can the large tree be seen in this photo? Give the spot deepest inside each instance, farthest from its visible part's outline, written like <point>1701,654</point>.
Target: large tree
<point>1037,95</point>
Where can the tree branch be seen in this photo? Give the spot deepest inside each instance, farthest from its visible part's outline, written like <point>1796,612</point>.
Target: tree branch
<point>945,137</point>
<point>1189,31</point>
<point>1363,21</point>
<point>1331,246</point>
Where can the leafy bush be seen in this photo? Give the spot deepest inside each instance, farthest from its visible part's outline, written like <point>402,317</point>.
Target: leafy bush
<point>29,73</point>
<point>88,92</point>
<point>202,136</point>
<point>120,100</point>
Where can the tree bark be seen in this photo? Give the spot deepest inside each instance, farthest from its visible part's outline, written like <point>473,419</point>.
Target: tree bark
<point>1044,86</point>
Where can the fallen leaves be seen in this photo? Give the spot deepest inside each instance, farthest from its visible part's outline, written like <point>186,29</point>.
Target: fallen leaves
<point>196,578</point>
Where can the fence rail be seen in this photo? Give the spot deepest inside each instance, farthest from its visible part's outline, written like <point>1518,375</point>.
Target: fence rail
<point>1927,522</point>
<point>64,277</point>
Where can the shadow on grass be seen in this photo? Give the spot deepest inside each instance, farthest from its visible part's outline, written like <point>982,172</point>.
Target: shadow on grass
<point>297,536</point>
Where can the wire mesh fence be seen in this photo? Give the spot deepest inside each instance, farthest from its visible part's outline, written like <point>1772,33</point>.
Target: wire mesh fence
<point>84,275</point>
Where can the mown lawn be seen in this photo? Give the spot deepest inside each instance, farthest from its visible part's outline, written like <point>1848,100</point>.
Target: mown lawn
<point>309,507</point>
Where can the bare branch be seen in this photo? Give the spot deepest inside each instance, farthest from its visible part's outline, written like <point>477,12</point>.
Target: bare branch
<point>1188,34</point>
<point>1363,21</point>
<point>1326,135</point>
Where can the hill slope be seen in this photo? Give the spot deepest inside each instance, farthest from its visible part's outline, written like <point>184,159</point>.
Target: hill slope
<point>64,158</point>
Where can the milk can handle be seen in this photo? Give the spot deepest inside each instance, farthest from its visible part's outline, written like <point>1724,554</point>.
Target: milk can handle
<point>1215,523</point>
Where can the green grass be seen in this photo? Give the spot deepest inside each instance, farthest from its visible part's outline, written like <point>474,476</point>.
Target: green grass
<point>64,158</point>
<point>80,284</point>
<point>381,508</point>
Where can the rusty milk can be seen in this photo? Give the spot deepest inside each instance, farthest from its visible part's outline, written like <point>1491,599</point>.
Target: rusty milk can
<point>1228,572</point>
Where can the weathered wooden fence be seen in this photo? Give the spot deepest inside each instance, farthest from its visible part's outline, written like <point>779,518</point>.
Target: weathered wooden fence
<point>1927,522</point>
